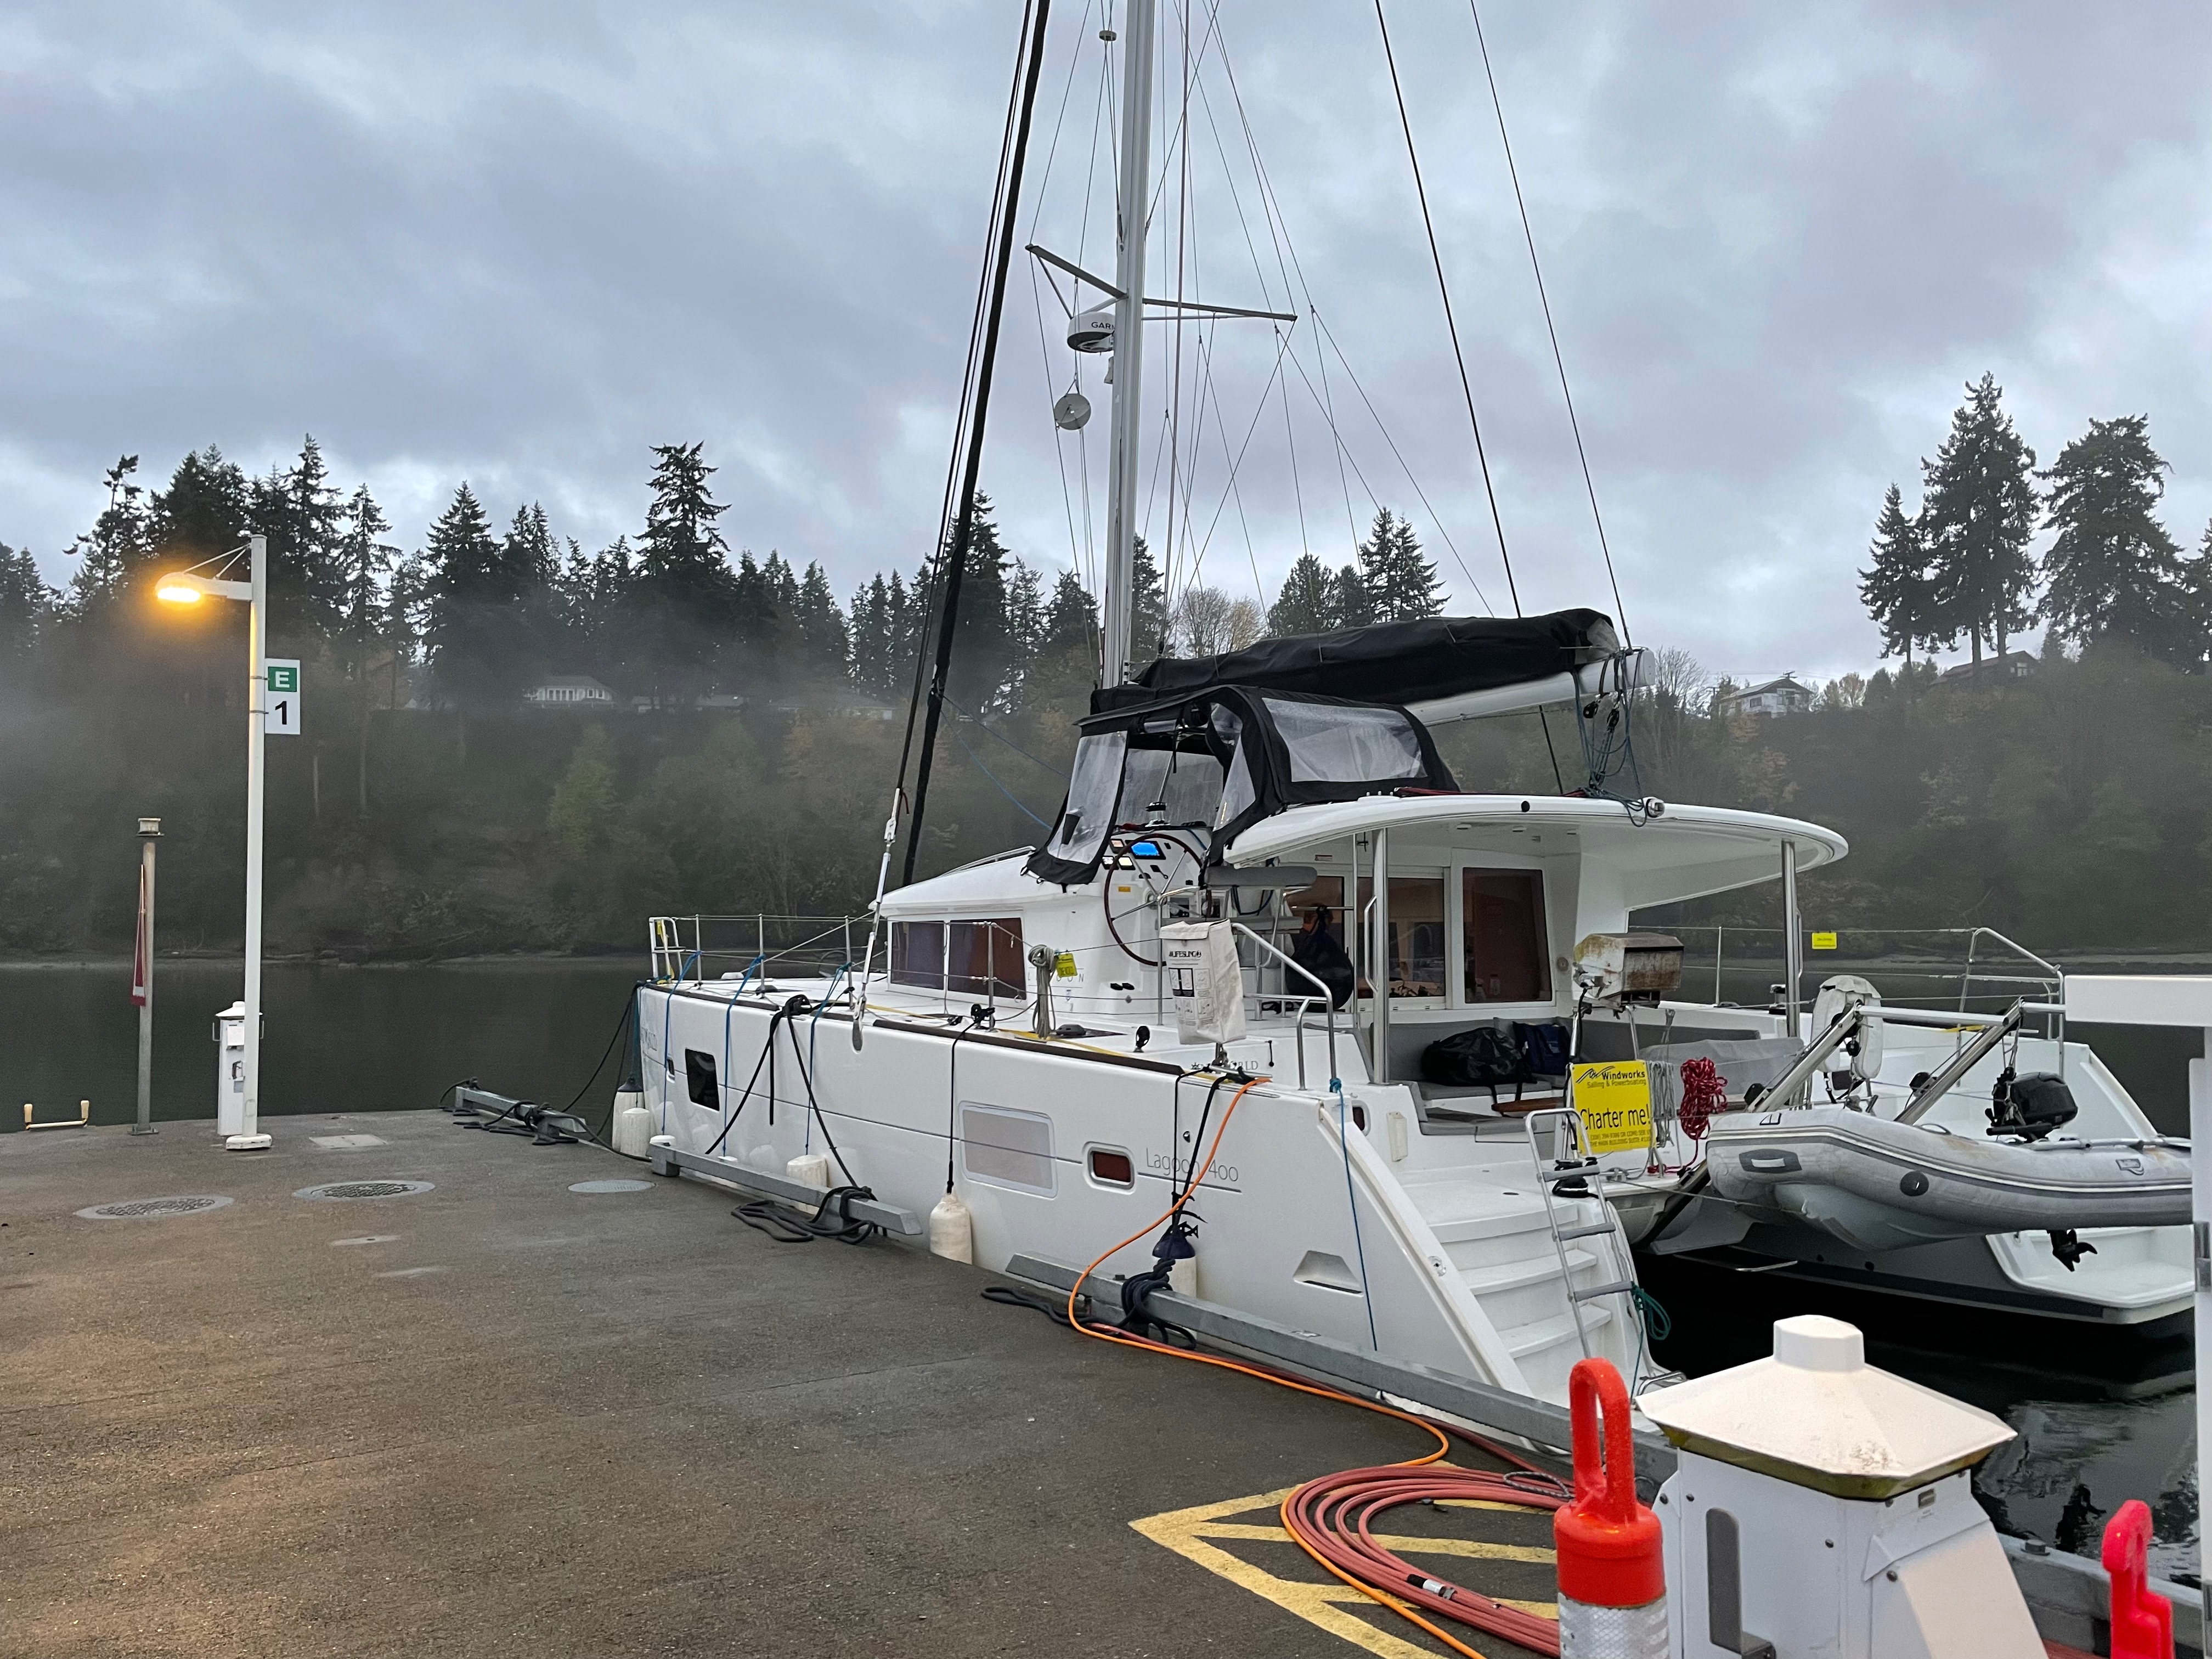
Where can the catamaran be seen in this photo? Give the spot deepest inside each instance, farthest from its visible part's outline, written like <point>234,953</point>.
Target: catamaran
<point>1397,1042</point>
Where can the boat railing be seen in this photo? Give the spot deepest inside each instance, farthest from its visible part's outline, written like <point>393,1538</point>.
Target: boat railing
<point>702,947</point>
<point>1289,966</point>
<point>1918,965</point>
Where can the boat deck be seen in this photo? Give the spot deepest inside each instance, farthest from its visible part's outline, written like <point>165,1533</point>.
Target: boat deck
<point>504,1417</point>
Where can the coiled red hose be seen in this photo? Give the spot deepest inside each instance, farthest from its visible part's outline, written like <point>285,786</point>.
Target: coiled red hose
<point>1332,1519</point>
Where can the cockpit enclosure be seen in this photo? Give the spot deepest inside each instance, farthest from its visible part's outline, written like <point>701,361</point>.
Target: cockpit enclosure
<point>1216,743</point>
<point>1224,758</point>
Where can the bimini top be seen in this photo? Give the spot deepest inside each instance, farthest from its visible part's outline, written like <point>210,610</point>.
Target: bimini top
<point>1397,662</point>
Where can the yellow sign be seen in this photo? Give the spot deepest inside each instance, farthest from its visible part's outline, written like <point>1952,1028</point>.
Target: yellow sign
<point>1613,1099</point>
<point>1823,941</point>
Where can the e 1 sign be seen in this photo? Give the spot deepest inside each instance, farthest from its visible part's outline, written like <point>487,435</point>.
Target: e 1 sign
<point>281,715</point>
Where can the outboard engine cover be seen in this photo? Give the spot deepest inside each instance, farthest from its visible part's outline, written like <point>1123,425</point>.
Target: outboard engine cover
<point>2029,1106</point>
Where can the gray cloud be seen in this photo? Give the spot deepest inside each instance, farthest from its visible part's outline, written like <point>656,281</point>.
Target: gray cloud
<point>520,246</point>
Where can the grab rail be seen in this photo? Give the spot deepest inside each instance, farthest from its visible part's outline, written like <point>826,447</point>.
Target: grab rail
<point>1328,999</point>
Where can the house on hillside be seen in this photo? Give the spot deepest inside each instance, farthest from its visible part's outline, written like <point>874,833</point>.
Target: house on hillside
<point>1782,696</point>
<point>571,691</point>
<point>2013,666</point>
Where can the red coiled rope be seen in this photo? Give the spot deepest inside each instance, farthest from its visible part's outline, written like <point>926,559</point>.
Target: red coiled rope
<point>1704,1091</point>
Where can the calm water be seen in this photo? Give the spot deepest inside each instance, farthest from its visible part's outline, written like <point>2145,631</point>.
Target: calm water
<point>2100,1421</point>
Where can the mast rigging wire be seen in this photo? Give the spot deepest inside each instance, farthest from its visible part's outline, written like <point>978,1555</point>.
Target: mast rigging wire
<point>1619,609</point>
<point>1451,324</point>
<point>956,557</point>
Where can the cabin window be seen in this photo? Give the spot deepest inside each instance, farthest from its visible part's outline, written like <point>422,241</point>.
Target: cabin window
<point>1417,936</point>
<point>1326,894</point>
<point>984,959</point>
<point>699,1080</point>
<point>1110,1168</point>
<point>1334,742</point>
<point>918,954</point>
<point>1006,1148</point>
<point>1502,918</point>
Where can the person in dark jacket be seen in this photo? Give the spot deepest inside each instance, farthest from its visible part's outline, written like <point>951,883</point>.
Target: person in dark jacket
<point>1315,950</point>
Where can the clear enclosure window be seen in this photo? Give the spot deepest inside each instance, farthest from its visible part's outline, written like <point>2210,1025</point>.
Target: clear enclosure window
<point>918,954</point>
<point>1329,744</point>
<point>1091,787</point>
<point>985,957</point>
<point>1187,786</point>
<point>1508,959</point>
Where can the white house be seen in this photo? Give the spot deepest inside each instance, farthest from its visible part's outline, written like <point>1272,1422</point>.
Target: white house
<point>571,691</point>
<point>1782,696</point>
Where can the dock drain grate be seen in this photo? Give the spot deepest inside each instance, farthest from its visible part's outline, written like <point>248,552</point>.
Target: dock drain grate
<point>343,1190</point>
<point>153,1209</point>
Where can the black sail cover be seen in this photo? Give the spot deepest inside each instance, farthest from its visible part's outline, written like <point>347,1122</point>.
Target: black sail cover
<point>1398,662</point>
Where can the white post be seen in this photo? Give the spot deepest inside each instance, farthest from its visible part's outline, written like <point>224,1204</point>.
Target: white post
<point>150,831</point>
<point>2200,1182</point>
<point>1793,967</point>
<point>1126,450</point>
<point>250,1137</point>
<point>1380,973</point>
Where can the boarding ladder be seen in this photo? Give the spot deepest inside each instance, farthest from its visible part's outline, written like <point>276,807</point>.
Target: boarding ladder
<point>1566,1232</point>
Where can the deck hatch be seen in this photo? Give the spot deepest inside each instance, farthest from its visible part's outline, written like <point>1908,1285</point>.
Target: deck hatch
<point>1007,1148</point>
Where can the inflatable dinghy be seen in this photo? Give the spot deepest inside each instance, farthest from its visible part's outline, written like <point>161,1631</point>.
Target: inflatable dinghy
<point>1931,1183</point>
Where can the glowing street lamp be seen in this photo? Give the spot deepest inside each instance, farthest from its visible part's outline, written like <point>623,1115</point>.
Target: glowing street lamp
<point>190,587</point>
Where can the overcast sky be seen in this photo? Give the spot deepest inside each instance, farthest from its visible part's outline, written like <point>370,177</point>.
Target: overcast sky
<point>518,245</point>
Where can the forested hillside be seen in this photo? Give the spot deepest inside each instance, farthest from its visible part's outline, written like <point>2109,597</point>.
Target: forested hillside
<point>746,759</point>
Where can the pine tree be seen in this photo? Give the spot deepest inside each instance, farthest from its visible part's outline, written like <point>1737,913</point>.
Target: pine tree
<point>1977,515</point>
<point>1026,610</point>
<point>27,607</point>
<point>871,643</point>
<point>472,590</point>
<point>1896,591</point>
<point>1351,603</point>
<point>1148,616</point>
<point>302,515</point>
<point>1401,584</point>
<point>2113,569</point>
<point>681,600</point>
<point>203,512</point>
<point>823,641</point>
<point>363,561</point>
<point>116,549</point>
<point>1307,603</point>
<point>1071,620</point>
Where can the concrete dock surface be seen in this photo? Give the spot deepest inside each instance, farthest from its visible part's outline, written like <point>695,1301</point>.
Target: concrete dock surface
<point>500,1418</point>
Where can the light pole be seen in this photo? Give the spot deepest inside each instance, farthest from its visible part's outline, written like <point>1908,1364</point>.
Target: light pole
<point>188,587</point>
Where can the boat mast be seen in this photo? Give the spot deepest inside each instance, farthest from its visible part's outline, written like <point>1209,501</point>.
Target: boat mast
<point>1126,445</point>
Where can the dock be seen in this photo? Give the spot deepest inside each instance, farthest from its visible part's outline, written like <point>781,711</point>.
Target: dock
<point>492,1415</point>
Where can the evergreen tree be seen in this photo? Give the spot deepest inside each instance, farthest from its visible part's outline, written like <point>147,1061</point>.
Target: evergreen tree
<point>2113,569</point>
<point>1896,591</point>
<point>1977,516</point>
<point>1026,610</point>
<point>117,548</point>
<point>363,561</point>
<point>1401,584</point>
<point>681,600</point>
<point>203,512</point>
<point>1351,606</point>
<point>302,516</point>
<point>1148,616</point>
<point>1071,620</point>
<point>27,607</point>
<point>472,591</point>
<point>872,637</point>
<point>1307,603</point>
<point>985,656</point>
<point>824,640</point>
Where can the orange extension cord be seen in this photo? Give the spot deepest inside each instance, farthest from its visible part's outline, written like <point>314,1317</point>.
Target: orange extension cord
<point>1329,1518</point>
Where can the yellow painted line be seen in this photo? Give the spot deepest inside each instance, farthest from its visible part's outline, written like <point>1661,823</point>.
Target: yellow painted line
<point>1188,1532</point>
<point>1397,1543</point>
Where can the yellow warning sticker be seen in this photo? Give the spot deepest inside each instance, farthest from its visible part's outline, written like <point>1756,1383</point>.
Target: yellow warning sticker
<point>1614,1099</point>
<point>1823,941</point>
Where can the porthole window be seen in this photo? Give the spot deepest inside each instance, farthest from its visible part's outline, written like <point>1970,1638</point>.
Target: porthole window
<point>1112,1168</point>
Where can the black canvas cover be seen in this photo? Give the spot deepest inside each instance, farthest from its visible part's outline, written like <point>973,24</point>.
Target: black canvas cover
<point>1397,662</point>
<point>1271,750</point>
